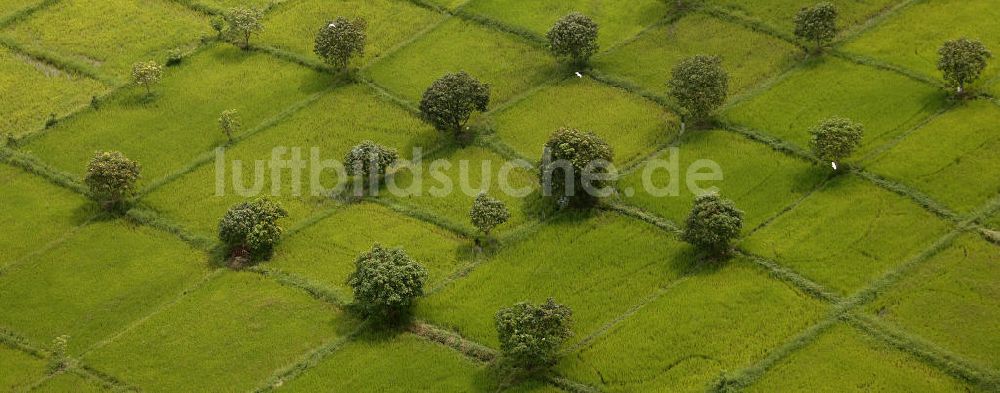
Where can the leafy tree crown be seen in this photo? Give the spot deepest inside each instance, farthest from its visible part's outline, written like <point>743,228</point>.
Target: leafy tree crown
<point>386,281</point>
<point>340,39</point>
<point>111,177</point>
<point>488,212</point>
<point>369,158</point>
<point>713,223</point>
<point>962,61</point>
<point>530,335</point>
<point>244,22</point>
<point>449,102</point>
<point>699,85</point>
<point>817,23</point>
<point>252,227</point>
<point>573,36</point>
<point>583,152</point>
<point>836,138</point>
<point>146,73</point>
<point>229,122</point>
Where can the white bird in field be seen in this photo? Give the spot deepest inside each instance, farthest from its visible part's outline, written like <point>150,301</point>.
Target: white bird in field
<point>834,165</point>
<point>579,75</point>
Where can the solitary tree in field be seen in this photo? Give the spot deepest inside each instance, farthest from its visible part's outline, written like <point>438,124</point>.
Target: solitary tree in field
<point>449,102</point>
<point>229,123</point>
<point>817,24</point>
<point>835,139</point>
<point>250,229</point>
<point>699,85</point>
<point>573,37</point>
<point>339,40</point>
<point>146,74</point>
<point>244,22</point>
<point>712,224</point>
<point>487,213</point>
<point>962,61</point>
<point>386,282</point>
<point>60,360</point>
<point>111,178</point>
<point>370,160</point>
<point>531,335</point>
<point>576,168</point>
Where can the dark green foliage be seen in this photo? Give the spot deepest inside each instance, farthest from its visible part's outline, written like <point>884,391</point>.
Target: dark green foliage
<point>488,212</point>
<point>962,61</point>
<point>575,167</point>
<point>817,24</point>
<point>250,229</point>
<point>369,158</point>
<point>713,223</point>
<point>111,178</point>
<point>573,37</point>
<point>449,101</point>
<point>835,139</point>
<point>699,85</point>
<point>339,40</point>
<point>530,335</point>
<point>386,282</point>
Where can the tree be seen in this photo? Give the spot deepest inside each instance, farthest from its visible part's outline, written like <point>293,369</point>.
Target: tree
<point>713,223</point>
<point>146,74</point>
<point>699,85</point>
<point>575,167</point>
<point>369,159</point>
<point>111,178</point>
<point>243,22</point>
<point>817,24</point>
<point>835,139</point>
<point>449,101</point>
<point>250,229</point>
<point>488,212</point>
<point>962,61</point>
<point>573,36</point>
<point>340,39</point>
<point>229,123</point>
<point>386,282</point>
<point>530,335</point>
<point>59,359</point>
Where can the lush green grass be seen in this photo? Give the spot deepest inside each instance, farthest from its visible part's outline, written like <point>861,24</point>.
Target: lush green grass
<point>35,213</point>
<point>325,252</point>
<point>760,180</point>
<point>848,234</point>
<point>781,13</point>
<point>47,91</point>
<point>67,382</point>
<point>509,64</point>
<point>911,38</point>
<point>632,125</point>
<point>885,102</point>
<point>721,319</point>
<point>229,4</point>
<point>599,266</point>
<point>111,35</point>
<point>844,360</point>
<point>615,23</point>
<point>95,283</point>
<point>333,124</point>
<point>8,7</point>
<point>234,332</point>
<point>960,290</point>
<point>748,56</point>
<point>20,369</point>
<point>180,123</point>
<point>947,157</point>
<point>293,25</point>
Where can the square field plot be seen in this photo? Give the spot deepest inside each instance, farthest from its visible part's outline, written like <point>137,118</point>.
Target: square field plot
<point>34,213</point>
<point>599,266</point>
<point>947,157</point>
<point>20,370</point>
<point>845,360</point>
<point>748,56</point>
<point>899,42</point>
<point>716,320</point>
<point>507,63</point>
<point>95,283</point>
<point>234,331</point>
<point>325,252</point>
<point>848,234</point>
<point>35,90</point>
<point>180,122</point>
<point>110,35</point>
<point>293,25</point>
<point>832,87</point>
<point>760,180</point>
<point>333,124</point>
<point>632,125</point>
<point>780,14</point>
<point>952,300</point>
<point>616,23</point>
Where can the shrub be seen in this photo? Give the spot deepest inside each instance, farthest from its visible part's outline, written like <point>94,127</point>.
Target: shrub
<point>218,24</point>
<point>386,282</point>
<point>250,230</point>
<point>174,57</point>
<point>574,37</point>
<point>244,22</point>
<point>340,39</point>
<point>817,24</point>
<point>835,139</point>
<point>530,335</point>
<point>962,61</point>
<point>59,360</point>
<point>576,167</point>
<point>488,212</point>
<point>369,159</point>
<point>449,101</point>
<point>111,178</point>
<point>713,223</point>
<point>229,123</point>
<point>146,74</point>
<point>699,85</point>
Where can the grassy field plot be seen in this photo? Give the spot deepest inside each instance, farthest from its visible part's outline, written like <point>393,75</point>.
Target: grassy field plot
<point>95,283</point>
<point>234,331</point>
<point>21,370</point>
<point>760,180</point>
<point>831,87</point>
<point>181,121</point>
<point>844,360</point>
<point>293,25</point>
<point>509,64</point>
<point>325,252</point>
<point>11,7</point>
<point>748,56</point>
<point>780,14</point>
<point>35,213</point>
<point>632,125</point>
<point>947,158</point>
<point>723,319</point>
<point>599,266</point>
<point>960,287</point>
<point>229,4</point>
<point>847,234</point>
<point>67,382</point>
<point>46,91</point>
<point>110,35</point>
